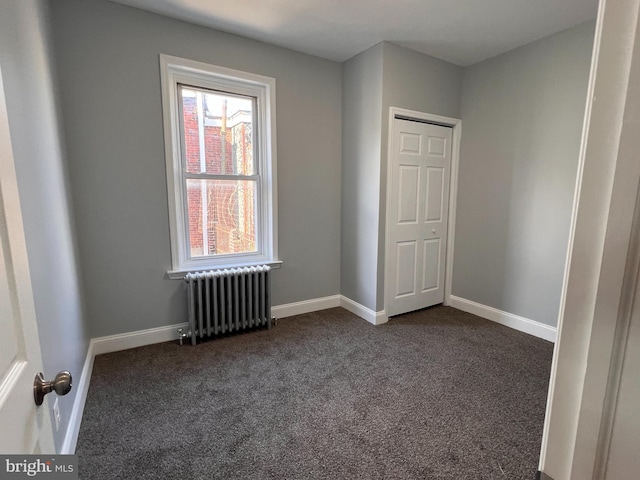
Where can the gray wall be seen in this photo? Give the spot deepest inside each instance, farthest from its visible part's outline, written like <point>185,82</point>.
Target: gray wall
<point>385,75</point>
<point>419,82</point>
<point>39,157</point>
<point>522,116</point>
<point>107,56</point>
<point>361,140</point>
<point>530,99</point>
<point>414,81</point>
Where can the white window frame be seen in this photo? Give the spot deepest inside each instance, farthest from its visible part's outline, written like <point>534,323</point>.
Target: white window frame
<point>175,71</point>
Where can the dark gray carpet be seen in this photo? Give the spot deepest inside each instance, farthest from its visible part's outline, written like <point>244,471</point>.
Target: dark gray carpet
<point>436,394</point>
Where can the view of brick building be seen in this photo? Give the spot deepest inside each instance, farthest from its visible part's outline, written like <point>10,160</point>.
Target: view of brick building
<point>218,143</point>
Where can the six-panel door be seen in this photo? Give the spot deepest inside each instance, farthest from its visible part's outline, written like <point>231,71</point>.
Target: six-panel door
<point>418,209</point>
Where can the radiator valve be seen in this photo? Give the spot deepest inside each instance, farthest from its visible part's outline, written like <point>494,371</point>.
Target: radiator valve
<point>181,335</point>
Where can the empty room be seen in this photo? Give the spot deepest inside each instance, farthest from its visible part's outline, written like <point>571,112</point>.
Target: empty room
<point>315,240</point>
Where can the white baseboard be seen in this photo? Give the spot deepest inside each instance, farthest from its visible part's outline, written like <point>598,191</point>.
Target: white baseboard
<point>306,306</point>
<point>73,427</point>
<point>522,324</point>
<point>313,305</point>
<point>376,318</point>
<point>124,341</point>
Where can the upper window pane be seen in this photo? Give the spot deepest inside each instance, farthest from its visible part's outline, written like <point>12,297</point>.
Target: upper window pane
<point>218,132</point>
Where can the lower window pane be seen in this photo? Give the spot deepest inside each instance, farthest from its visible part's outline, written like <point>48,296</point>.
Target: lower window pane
<point>222,217</point>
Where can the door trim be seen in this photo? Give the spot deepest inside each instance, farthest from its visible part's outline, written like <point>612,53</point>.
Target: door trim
<point>456,126</point>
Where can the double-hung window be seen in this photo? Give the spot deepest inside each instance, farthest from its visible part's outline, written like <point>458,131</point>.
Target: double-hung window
<point>220,154</point>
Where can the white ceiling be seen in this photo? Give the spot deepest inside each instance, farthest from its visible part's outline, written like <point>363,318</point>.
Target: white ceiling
<point>458,31</point>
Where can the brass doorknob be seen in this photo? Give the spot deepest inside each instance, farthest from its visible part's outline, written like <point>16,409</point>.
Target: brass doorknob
<point>61,385</point>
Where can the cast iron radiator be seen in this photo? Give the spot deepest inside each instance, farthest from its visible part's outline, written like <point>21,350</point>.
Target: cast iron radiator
<point>227,301</point>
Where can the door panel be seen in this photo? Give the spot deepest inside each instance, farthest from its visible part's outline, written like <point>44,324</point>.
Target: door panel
<point>410,143</point>
<point>408,194</point>
<point>435,198</point>
<point>420,171</point>
<point>23,427</point>
<point>431,267</point>
<point>437,146</point>
<point>405,271</point>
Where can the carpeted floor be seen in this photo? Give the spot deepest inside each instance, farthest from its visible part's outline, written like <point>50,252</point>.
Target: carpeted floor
<point>435,394</point>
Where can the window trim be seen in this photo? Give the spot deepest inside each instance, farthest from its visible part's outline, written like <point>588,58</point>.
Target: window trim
<point>174,71</point>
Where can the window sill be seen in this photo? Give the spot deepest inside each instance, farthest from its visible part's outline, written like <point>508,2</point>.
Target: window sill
<point>179,274</point>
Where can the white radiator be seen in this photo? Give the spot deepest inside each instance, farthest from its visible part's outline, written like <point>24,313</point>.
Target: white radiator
<point>228,301</point>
